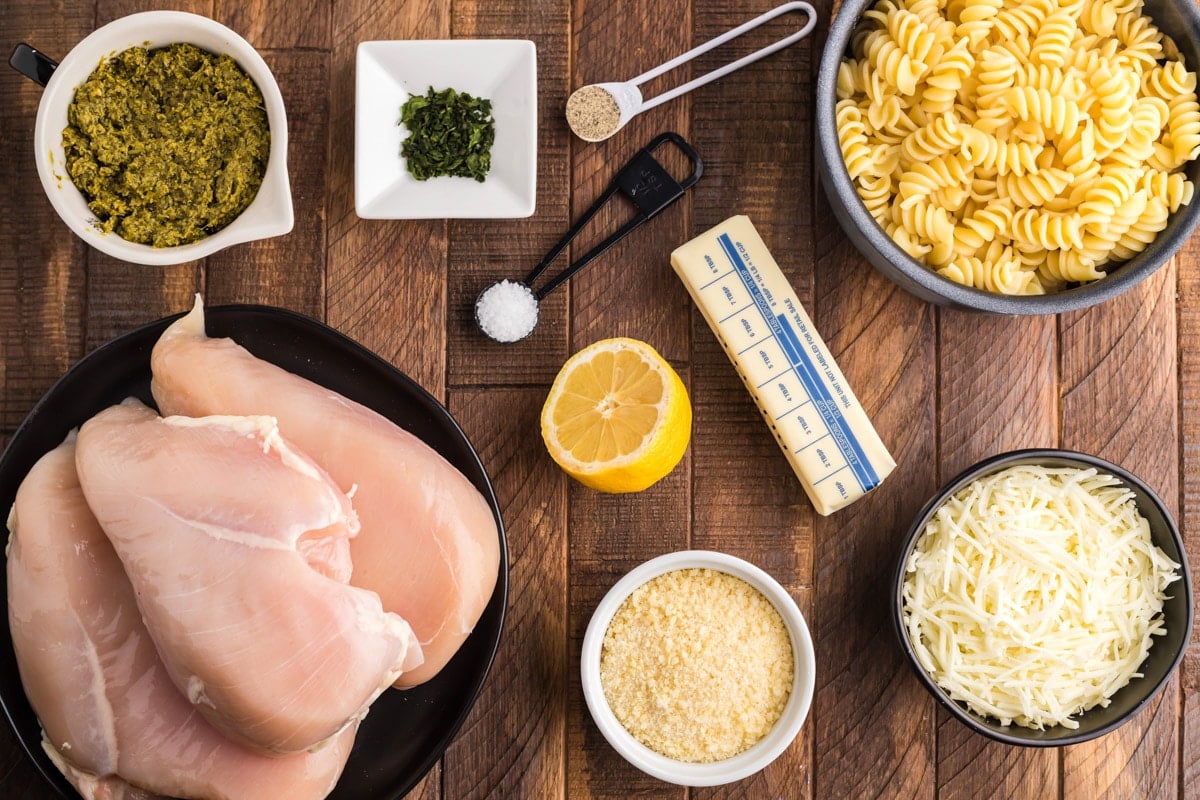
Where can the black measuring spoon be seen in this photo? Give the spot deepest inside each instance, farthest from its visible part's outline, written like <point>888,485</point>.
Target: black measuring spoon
<point>507,311</point>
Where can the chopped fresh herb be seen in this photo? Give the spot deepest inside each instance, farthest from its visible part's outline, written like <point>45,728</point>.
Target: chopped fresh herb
<point>450,133</point>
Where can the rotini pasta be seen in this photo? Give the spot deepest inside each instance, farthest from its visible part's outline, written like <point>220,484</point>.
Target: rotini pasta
<point>852,135</point>
<point>1172,188</point>
<point>946,79</point>
<point>976,19</point>
<point>1017,146</point>
<point>1106,193</point>
<point>876,194</point>
<point>941,136</point>
<point>897,66</point>
<point>1152,220</point>
<point>983,227</point>
<point>1047,229</point>
<point>1053,40</point>
<point>1035,189</point>
<point>924,178</point>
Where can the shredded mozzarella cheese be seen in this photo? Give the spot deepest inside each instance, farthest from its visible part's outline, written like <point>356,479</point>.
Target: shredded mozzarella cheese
<point>1034,593</point>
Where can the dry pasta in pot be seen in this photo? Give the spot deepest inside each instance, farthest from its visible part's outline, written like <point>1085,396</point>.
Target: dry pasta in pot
<point>1017,146</point>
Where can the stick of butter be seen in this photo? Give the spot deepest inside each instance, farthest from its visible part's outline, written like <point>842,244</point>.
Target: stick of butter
<point>785,365</point>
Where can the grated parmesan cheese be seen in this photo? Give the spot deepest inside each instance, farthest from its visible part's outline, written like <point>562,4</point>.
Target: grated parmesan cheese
<point>1034,593</point>
<point>697,665</point>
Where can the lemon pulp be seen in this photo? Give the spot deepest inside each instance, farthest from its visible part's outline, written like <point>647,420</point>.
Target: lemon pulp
<point>617,418</point>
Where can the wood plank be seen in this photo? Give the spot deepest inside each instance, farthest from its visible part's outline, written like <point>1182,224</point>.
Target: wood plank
<point>629,291</point>
<point>108,10</point>
<point>297,24</point>
<point>869,708</point>
<point>1189,723</point>
<point>1189,521</point>
<point>43,279</point>
<point>1127,342</point>
<point>997,391</point>
<point>997,386</point>
<point>616,532</point>
<point>874,726</point>
<point>124,296</point>
<point>386,280</point>
<point>288,270</point>
<point>750,129</point>
<point>42,267</point>
<point>485,251</point>
<point>513,743</point>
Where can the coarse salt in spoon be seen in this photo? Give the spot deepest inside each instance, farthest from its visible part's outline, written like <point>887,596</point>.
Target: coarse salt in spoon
<point>507,311</point>
<point>597,111</point>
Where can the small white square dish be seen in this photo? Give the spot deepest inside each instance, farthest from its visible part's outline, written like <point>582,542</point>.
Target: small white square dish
<point>387,73</point>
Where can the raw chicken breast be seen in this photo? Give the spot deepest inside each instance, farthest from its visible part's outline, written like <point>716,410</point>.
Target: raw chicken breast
<point>213,519</point>
<point>428,547</point>
<point>115,724</point>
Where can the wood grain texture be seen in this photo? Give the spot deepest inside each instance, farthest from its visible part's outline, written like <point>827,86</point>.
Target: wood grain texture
<point>507,748</point>
<point>1188,305</point>
<point>1105,351</point>
<point>43,278</point>
<point>123,296</point>
<point>993,369</point>
<point>43,281</point>
<point>485,251</point>
<point>299,25</point>
<point>746,499</point>
<point>869,709</point>
<point>630,291</point>
<point>874,726</point>
<point>385,280</point>
<point>943,388</point>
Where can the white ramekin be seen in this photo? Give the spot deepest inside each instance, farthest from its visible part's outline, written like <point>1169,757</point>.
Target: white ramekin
<point>270,214</point>
<point>716,772</point>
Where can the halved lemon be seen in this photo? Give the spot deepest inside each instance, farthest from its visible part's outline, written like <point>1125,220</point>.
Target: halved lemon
<point>617,418</point>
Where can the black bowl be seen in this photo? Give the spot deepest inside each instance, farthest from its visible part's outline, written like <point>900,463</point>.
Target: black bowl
<point>406,731</point>
<point>1181,21</point>
<point>1160,663</point>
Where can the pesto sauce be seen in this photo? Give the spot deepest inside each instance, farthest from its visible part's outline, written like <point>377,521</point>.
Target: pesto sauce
<point>167,145</point>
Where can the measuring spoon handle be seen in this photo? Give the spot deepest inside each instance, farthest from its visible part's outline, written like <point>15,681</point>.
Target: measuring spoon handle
<point>36,66</point>
<point>722,39</point>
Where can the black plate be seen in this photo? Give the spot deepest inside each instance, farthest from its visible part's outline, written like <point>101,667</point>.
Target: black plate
<point>406,731</point>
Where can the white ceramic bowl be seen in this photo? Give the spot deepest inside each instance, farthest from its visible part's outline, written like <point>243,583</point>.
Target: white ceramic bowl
<point>270,214</point>
<point>387,73</point>
<point>716,772</point>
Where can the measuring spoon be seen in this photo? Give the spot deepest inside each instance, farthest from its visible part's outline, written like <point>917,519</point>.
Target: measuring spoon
<point>507,311</point>
<point>593,117</point>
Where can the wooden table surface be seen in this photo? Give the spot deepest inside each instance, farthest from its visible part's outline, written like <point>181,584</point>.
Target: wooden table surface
<point>944,388</point>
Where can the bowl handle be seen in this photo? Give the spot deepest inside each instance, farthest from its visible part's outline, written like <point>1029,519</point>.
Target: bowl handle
<point>32,64</point>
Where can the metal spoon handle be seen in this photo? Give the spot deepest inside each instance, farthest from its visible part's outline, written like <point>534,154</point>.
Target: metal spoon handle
<point>721,72</point>
<point>32,64</point>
